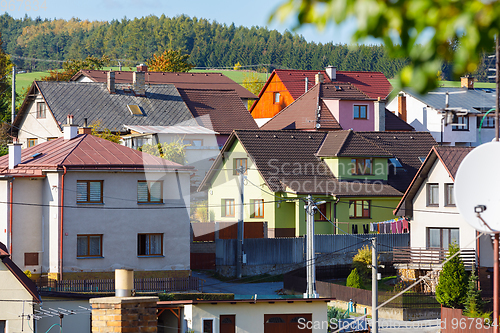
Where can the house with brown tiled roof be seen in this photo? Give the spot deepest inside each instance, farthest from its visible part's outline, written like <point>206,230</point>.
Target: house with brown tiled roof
<point>360,176</point>
<point>18,295</point>
<point>336,106</point>
<point>429,203</point>
<point>80,206</point>
<point>285,86</point>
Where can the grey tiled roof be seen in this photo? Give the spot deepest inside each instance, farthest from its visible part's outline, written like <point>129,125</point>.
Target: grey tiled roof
<point>162,105</point>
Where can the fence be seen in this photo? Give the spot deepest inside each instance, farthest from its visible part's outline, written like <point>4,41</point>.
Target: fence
<point>270,251</point>
<point>108,285</point>
<point>452,321</point>
<point>425,258</point>
<point>207,231</point>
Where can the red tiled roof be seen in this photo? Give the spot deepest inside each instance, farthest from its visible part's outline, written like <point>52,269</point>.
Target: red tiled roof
<point>84,152</point>
<point>220,110</point>
<point>451,157</point>
<point>373,84</point>
<point>180,80</point>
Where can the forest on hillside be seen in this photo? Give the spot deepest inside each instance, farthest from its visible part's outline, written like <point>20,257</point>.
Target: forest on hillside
<point>209,44</point>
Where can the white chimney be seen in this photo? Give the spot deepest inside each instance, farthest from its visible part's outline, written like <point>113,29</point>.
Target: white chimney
<point>331,71</point>
<point>379,115</point>
<point>319,78</point>
<point>139,83</point>
<point>124,282</point>
<point>14,154</point>
<point>70,129</point>
<point>111,82</point>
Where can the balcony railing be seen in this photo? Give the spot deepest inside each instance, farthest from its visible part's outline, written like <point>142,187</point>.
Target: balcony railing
<point>429,258</point>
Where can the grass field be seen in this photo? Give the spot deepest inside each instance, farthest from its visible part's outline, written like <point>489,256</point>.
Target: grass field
<point>456,84</point>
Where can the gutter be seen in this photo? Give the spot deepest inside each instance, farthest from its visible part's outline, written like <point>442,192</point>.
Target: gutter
<point>61,225</point>
<point>11,189</point>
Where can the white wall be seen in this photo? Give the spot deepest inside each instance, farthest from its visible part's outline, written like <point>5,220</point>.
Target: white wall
<point>79,322</point>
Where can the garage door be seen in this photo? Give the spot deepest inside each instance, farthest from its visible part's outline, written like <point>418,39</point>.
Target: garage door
<point>289,323</point>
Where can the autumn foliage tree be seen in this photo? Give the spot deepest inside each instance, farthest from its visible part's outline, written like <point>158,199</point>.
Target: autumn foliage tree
<point>72,66</point>
<point>169,61</point>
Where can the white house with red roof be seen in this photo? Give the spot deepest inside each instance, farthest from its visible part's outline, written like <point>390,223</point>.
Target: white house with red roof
<point>81,206</point>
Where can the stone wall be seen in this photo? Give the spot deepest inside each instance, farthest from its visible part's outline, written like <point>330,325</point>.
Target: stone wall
<point>124,314</point>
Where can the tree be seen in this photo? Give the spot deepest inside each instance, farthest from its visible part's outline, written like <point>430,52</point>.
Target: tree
<point>72,66</point>
<point>103,132</point>
<point>354,280</point>
<point>427,32</point>
<point>363,261</point>
<point>5,85</point>
<point>173,151</point>
<point>169,61</point>
<point>473,300</point>
<point>452,287</point>
<point>252,83</point>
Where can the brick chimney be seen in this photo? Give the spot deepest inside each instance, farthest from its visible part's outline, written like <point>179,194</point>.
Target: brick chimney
<point>331,71</point>
<point>142,68</point>
<point>379,115</point>
<point>14,154</point>
<point>467,82</point>
<point>70,129</point>
<point>139,83</point>
<point>319,78</point>
<point>111,82</point>
<point>85,129</point>
<point>402,106</point>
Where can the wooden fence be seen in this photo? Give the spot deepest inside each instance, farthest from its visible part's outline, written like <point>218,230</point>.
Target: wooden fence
<point>452,321</point>
<point>108,285</point>
<point>427,258</point>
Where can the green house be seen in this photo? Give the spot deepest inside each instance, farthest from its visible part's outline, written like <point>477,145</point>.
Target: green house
<point>359,178</point>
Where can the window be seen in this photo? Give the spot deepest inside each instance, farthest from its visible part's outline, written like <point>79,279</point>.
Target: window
<point>41,110</point>
<point>89,246</point>
<point>193,142</point>
<point>51,138</point>
<point>208,325</point>
<point>488,122</point>
<point>257,208</point>
<point>361,166</point>
<point>449,196</point>
<point>276,97</point>
<point>325,212</point>
<point>228,207</point>
<point>32,142</point>
<point>89,191</point>
<point>150,244</point>
<point>359,209</point>
<point>463,122</point>
<point>149,191</point>
<point>238,163</point>
<point>432,194</point>
<point>360,112</point>
<point>442,237</point>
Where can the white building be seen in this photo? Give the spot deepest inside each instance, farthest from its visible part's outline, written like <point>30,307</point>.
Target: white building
<point>80,207</point>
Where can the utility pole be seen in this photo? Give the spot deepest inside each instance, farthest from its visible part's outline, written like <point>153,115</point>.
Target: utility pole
<point>239,245</point>
<point>374,286</point>
<point>13,114</point>
<point>310,260</point>
<point>496,240</point>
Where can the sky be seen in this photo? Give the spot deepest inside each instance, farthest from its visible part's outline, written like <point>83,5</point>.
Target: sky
<point>240,12</point>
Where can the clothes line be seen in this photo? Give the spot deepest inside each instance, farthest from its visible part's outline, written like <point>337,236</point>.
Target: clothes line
<point>393,226</point>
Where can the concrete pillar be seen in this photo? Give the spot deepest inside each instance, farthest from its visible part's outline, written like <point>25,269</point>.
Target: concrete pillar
<point>124,314</point>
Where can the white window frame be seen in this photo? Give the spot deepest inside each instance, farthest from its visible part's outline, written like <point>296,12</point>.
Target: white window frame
<point>432,203</point>
<point>203,324</point>
<point>447,195</point>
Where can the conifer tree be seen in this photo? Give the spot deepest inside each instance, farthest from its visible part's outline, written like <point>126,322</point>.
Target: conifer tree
<point>452,287</point>
<point>354,280</point>
<point>473,301</point>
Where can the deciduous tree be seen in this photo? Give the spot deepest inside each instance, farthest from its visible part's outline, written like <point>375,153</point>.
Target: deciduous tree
<point>169,61</point>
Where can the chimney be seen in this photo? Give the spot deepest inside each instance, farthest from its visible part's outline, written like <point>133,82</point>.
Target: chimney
<point>319,78</point>
<point>139,83</point>
<point>111,82</point>
<point>14,154</point>
<point>124,282</point>
<point>467,82</point>
<point>331,71</point>
<point>402,106</point>
<point>70,130</point>
<point>379,115</point>
<point>142,68</point>
<point>85,129</point>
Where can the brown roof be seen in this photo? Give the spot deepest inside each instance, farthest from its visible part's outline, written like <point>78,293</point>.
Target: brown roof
<point>180,80</point>
<point>19,274</point>
<point>84,152</point>
<point>286,159</point>
<point>166,304</point>
<point>451,157</point>
<point>220,110</point>
<point>394,123</point>
<point>350,144</point>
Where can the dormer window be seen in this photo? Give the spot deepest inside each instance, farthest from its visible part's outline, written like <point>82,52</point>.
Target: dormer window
<point>41,108</point>
<point>361,166</point>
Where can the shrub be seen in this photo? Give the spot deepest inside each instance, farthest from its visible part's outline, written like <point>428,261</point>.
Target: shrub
<point>354,280</point>
<point>363,261</point>
<point>334,314</point>
<point>452,287</point>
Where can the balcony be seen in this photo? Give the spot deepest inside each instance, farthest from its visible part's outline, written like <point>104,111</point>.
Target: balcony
<point>428,259</point>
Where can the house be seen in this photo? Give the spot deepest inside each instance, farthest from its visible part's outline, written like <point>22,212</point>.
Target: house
<point>285,86</point>
<point>334,106</point>
<point>18,295</point>
<point>436,222</point>
<point>360,175</point>
<point>187,80</point>
<point>245,315</point>
<point>80,206</point>
<point>461,125</point>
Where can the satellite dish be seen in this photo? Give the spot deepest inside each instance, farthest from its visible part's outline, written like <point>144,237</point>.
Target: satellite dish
<point>477,188</point>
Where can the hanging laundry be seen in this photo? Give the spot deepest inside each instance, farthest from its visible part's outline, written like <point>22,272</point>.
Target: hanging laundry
<point>365,228</point>
<point>394,229</point>
<point>406,226</point>
<point>354,228</point>
<point>399,226</point>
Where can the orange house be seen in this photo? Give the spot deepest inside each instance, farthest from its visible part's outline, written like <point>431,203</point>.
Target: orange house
<point>285,86</point>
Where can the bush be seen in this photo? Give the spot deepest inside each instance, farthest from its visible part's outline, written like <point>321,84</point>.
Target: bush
<point>452,287</point>
<point>334,314</point>
<point>354,280</point>
<point>363,261</point>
